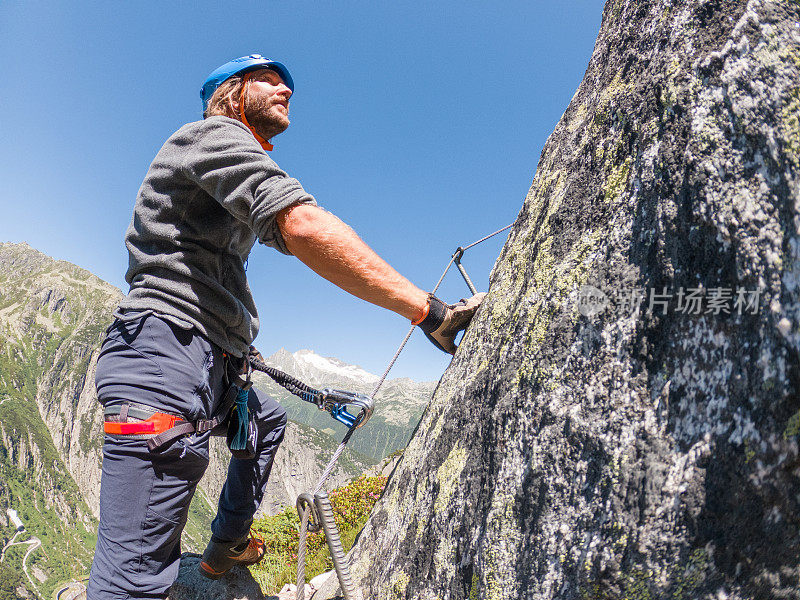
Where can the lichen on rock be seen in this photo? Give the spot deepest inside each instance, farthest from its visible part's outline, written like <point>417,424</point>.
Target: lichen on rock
<point>647,448</point>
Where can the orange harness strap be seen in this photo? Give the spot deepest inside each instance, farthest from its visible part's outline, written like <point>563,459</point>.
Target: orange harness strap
<point>158,423</point>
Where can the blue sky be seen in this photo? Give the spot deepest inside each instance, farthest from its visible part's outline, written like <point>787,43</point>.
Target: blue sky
<point>420,124</point>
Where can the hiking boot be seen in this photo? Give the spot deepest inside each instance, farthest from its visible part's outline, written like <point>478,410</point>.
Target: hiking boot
<point>221,557</point>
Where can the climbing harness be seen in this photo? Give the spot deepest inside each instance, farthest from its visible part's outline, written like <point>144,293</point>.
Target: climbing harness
<point>140,422</point>
<point>314,508</point>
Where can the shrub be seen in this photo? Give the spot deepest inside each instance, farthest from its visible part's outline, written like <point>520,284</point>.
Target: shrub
<point>351,506</point>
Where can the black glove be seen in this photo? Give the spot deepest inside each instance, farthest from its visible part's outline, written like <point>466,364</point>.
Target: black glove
<point>444,321</point>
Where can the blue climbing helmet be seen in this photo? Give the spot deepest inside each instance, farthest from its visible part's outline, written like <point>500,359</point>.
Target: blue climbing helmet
<point>238,66</point>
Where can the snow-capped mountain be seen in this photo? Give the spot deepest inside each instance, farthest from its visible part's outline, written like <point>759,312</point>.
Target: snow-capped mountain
<point>333,367</point>
<point>321,371</point>
<point>399,403</point>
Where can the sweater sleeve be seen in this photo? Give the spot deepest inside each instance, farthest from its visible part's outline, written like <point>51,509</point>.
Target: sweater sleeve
<point>224,159</point>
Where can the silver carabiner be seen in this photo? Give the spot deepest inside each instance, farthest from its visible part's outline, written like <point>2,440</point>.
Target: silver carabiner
<point>336,402</point>
<point>305,502</point>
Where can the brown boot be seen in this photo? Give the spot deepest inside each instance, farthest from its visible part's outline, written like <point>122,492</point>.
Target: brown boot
<point>221,557</point>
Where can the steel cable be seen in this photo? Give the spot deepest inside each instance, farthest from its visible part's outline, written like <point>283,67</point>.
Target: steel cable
<point>301,555</point>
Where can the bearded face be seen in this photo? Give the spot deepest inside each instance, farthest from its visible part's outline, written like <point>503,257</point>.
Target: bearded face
<point>267,103</point>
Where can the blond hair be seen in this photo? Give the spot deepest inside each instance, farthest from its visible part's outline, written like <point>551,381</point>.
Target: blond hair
<point>221,101</point>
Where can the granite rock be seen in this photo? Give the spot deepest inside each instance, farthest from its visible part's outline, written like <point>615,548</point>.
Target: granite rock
<point>621,419</point>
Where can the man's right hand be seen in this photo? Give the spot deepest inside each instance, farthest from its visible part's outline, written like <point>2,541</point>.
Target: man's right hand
<point>444,321</point>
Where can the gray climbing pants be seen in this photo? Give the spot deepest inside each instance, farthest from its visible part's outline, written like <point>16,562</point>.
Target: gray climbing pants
<point>145,495</point>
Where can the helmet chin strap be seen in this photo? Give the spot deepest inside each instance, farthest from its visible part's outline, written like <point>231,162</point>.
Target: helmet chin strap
<point>264,143</point>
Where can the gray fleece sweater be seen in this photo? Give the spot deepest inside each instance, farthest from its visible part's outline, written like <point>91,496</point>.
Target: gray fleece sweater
<point>211,191</point>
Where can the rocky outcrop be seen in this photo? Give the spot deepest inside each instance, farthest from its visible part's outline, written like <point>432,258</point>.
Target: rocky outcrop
<point>238,584</point>
<point>621,419</point>
<point>53,318</point>
<point>52,315</point>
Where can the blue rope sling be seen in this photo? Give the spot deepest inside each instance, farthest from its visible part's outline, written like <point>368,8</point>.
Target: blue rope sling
<point>239,441</point>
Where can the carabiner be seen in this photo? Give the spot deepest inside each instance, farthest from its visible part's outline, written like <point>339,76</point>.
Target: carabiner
<point>305,501</point>
<point>336,403</point>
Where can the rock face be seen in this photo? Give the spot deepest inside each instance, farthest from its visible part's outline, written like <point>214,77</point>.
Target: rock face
<point>52,317</point>
<point>583,444</point>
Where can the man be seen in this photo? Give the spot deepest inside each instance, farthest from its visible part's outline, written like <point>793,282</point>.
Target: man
<point>188,322</point>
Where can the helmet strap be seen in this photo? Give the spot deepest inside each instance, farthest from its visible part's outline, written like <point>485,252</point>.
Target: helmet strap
<point>245,84</point>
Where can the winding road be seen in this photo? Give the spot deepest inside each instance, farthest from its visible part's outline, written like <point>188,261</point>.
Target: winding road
<point>75,590</point>
<point>34,543</point>
<point>8,545</point>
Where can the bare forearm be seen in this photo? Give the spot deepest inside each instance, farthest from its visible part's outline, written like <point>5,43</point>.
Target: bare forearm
<point>333,250</point>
